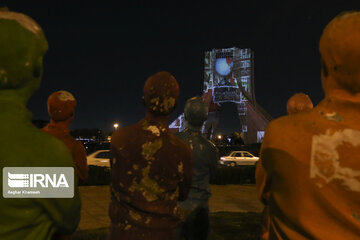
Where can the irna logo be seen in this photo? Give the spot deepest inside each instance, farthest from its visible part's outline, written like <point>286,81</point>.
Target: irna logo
<point>36,180</point>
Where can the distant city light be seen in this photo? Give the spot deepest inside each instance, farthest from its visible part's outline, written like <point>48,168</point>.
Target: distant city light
<point>219,136</point>
<point>116,125</point>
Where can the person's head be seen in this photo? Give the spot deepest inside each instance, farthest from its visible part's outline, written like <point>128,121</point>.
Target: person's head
<point>195,111</point>
<point>61,106</point>
<point>22,47</point>
<point>298,102</point>
<point>161,92</point>
<point>340,53</point>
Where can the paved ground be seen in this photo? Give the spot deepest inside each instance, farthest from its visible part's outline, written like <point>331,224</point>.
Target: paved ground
<point>226,198</point>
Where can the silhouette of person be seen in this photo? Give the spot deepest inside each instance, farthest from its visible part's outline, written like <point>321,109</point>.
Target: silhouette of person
<point>151,168</point>
<point>61,107</point>
<point>296,103</point>
<point>195,209</point>
<point>309,177</point>
<point>23,46</point>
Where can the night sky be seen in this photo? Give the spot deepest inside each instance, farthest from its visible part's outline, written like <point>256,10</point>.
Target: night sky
<point>103,51</point>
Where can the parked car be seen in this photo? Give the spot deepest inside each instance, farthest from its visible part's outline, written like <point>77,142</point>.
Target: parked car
<point>99,158</point>
<point>239,158</point>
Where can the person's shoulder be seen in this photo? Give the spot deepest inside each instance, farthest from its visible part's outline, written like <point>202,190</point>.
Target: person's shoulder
<point>123,134</point>
<point>183,135</point>
<point>46,149</point>
<point>177,138</point>
<point>187,136</point>
<point>52,131</point>
<point>208,143</point>
<point>180,134</point>
<point>42,138</point>
<point>78,145</point>
<point>296,121</point>
<point>45,129</point>
<point>282,131</point>
<point>52,145</point>
<point>179,143</point>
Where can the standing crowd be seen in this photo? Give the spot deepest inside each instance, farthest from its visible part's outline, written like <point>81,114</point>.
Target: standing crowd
<point>308,179</point>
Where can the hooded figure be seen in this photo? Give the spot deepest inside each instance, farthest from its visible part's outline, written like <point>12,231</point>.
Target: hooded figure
<point>61,108</point>
<point>23,45</point>
<point>309,168</point>
<point>151,169</point>
<point>195,209</point>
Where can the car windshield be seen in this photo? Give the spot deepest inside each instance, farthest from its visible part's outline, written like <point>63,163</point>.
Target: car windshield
<point>103,155</point>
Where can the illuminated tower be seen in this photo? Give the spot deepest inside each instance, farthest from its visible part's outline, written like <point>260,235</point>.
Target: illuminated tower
<point>229,77</point>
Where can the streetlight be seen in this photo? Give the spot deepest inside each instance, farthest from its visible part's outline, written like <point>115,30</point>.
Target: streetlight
<point>116,126</point>
<point>219,136</point>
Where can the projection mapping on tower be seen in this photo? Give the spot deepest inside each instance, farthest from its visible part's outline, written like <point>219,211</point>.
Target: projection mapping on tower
<point>229,77</point>
<point>227,71</point>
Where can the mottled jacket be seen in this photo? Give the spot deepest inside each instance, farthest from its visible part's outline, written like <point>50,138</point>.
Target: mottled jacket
<point>309,172</point>
<point>151,170</point>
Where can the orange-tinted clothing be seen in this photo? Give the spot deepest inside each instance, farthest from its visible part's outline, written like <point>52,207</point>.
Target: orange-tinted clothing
<point>265,223</point>
<point>76,148</point>
<point>309,172</point>
<point>151,170</point>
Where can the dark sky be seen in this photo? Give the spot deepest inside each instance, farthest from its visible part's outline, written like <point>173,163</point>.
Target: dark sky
<point>103,51</point>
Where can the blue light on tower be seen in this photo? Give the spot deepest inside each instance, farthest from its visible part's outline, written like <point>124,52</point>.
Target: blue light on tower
<point>223,67</point>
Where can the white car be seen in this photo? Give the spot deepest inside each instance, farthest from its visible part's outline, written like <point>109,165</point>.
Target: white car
<point>239,158</point>
<point>99,158</point>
